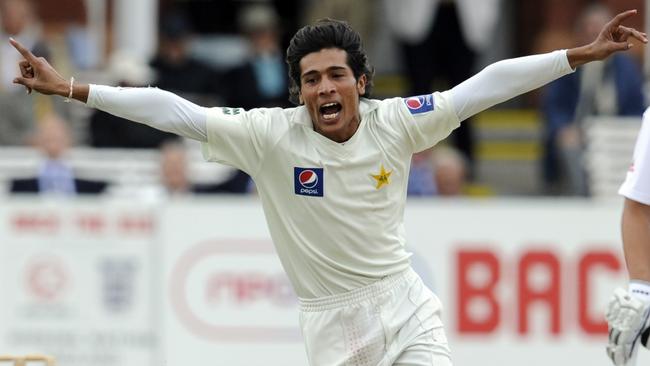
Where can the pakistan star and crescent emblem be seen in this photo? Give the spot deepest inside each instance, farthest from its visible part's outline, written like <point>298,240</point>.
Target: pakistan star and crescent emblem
<point>383,178</point>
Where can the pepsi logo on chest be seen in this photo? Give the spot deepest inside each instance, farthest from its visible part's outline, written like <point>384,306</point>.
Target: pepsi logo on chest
<point>308,181</point>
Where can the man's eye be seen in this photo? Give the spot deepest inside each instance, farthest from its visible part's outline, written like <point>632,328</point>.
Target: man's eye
<point>310,81</point>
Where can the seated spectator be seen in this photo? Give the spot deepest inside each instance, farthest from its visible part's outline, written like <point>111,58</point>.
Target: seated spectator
<point>441,171</point>
<point>174,177</point>
<point>175,180</point>
<point>609,88</point>
<point>55,176</point>
<point>109,131</point>
<point>451,171</point>
<point>262,81</point>
<point>421,176</point>
<point>176,69</point>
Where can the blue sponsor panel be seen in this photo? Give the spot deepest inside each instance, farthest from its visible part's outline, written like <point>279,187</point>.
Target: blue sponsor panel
<point>118,284</point>
<point>420,103</point>
<point>308,181</point>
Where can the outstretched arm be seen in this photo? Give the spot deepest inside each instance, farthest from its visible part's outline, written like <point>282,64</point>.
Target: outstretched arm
<point>508,78</point>
<point>151,106</point>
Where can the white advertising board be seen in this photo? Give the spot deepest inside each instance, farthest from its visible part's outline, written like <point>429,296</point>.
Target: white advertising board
<point>76,282</point>
<point>228,300</point>
<point>522,281</point>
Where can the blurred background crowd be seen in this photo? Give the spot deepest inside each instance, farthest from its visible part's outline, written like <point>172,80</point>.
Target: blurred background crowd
<point>231,53</point>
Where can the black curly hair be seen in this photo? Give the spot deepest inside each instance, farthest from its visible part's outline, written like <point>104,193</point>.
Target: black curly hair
<point>327,33</point>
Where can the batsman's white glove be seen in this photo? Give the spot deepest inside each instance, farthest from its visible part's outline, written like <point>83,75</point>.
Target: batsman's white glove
<point>627,318</point>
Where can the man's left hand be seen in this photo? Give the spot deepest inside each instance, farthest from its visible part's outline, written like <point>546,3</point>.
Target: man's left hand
<point>627,317</point>
<point>614,37</point>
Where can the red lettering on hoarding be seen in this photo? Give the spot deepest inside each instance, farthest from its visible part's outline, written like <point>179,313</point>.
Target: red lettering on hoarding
<point>95,224</point>
<point>245,288</point>
<point>226,290</point>
<point>588,263</point>
<point>549,294</point>
<point>142,224</point>
<point>469,291</point>
<point>36,223</point>
<point>539,279</point>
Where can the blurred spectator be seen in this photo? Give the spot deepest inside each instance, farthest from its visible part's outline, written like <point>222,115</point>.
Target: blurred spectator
<point>422,176</point>
<point>440,40</point>
<point>609,88</point>
<point>55,176</point>
<point>439,171</point>
<point>107,130</point>
<point>358,13</point>
<point>174,175</point>
<point>450,169</point>
<point>18,20</point>
<point>262,81</point>
<point>176,70</point>
<point>173,170</point>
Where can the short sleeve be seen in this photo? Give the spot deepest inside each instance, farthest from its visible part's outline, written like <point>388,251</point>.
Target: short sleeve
<point>637,182</point>
<point>236,137</point>
<point>425,119</point>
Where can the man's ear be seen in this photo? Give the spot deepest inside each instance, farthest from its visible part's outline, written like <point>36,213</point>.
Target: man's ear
<point>361,85</point>
<point>300,99</point>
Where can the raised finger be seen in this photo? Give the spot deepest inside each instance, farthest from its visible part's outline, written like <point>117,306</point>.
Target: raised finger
<point>618,19</point>
<point>23,51</point>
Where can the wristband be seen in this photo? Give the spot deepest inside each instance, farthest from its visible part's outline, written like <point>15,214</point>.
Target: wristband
<point>640,290</point>
<point>67,100</point>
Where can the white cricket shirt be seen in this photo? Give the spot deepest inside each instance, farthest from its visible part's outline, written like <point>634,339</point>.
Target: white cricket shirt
<point>334,210</point>
<point>637,182</point>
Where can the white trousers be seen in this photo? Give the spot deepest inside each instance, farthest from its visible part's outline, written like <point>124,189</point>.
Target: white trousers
<point>394,321</point>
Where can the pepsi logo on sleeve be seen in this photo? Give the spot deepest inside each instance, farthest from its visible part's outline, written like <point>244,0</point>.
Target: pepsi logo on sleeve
<point>308,181</point>
<point>420,103</point>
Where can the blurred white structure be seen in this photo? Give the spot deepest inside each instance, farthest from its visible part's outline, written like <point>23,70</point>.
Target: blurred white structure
<point>608,155</point>
<point>134,25</point>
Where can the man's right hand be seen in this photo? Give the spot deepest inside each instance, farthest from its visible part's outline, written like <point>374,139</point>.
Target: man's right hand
<point>37,74</point>
<point>627,318</point>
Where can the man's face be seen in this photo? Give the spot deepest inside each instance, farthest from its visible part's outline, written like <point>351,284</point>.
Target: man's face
<point>331,93</point>
<point>14,15</point>
<point>174,170</point>
<point>52,137</point>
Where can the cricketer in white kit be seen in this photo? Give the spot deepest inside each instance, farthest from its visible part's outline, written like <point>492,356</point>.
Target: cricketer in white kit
<point>628,312</point>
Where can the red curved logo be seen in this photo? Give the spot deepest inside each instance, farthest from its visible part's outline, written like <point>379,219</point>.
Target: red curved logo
<point>218,303</point>
<point>414,103</point>
<point>46,278</point>
<point>308,178</point>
